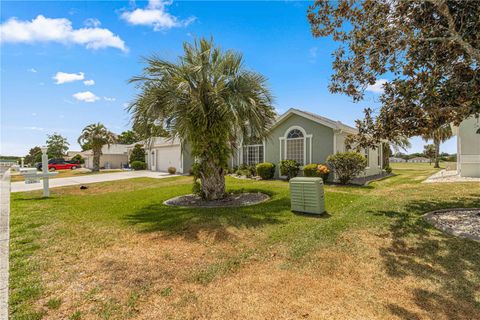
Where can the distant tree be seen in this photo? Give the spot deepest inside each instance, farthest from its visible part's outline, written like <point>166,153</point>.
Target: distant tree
<point>128,137</point>
<point>438,135</point>
<point>430,49</point>
<point>57,146</point>
<point>97,135</point>
<point>33,156</point>
<point>208,100</point>
<point>430,152</point>
<point>138,153</point>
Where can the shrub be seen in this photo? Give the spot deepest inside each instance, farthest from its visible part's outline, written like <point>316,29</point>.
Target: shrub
<point>138,165</point>
<point>252,169</point>
<point>172,170</point>
<point>244,172</point>
<point>316,170</point>
<point>266,170</point>
<point>347,165</point>
<point>78,159</point>
<point>289,168</point>
<point>138,154</point>
<point>388,169</point>
<point>311,170</point>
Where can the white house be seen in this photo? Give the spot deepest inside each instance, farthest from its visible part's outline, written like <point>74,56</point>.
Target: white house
<point>420,160</point>
<point>113,157</point>
<point>468,147</point>
<point>396,160</point>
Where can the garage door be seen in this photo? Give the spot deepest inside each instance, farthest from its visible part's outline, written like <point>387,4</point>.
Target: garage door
<point>168,157</point>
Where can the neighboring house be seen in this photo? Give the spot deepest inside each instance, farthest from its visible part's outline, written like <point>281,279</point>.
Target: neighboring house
<point>420,160</point>
<point>396,160</point>
<point>297,135</point>
<point>162,153</point>
<point>113,157</point>
<point>468,147</point>
<point>71,154</point>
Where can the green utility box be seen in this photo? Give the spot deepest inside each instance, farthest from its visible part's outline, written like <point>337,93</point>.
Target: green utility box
<point>306,195</point>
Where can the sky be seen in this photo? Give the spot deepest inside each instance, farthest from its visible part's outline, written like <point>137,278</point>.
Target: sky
<point>66,64</point>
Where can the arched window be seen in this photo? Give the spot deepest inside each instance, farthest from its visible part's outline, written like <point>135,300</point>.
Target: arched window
<point>295,144</point>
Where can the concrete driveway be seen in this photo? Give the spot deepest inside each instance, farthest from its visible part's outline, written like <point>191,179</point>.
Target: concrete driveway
<point>20,186</point>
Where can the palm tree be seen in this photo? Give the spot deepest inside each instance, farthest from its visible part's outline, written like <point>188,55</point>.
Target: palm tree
<point>96,135</point>
<point>438,135</point>
<point>208,100</point>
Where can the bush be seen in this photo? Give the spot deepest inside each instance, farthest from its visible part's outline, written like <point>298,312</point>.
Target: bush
<point>347,165</point>
<point>388,169</point>
<point>316,170</point>
<point>266,170</point>
<point>138,165</point>
<point>78,159</point>
<point>172,170</point>
<point>138,154</point>
<point>311,170</point>
<point>289,168</point>
<point>252,169</point>
<point>244,172</point>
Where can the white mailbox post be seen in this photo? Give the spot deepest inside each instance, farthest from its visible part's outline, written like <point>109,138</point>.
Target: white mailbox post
<point>32,176</point>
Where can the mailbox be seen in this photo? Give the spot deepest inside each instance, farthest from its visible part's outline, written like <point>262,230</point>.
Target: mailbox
<point>306,195</point>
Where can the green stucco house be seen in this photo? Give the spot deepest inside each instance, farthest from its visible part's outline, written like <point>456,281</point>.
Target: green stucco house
<point>307,138</point>
<point>296,135</point>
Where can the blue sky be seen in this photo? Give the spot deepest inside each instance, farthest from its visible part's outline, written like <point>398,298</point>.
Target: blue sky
<point>65,65</point>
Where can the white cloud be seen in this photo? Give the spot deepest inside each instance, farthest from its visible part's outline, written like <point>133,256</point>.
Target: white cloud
<point>89,82</point>
<point>92,22</point>
<point>42,29</point>
<point>63,77</point>
<point>85,96</point>
<point>32,70</point>
<point>155,15</point>
<point>109,99</point>
<point>378,86</point>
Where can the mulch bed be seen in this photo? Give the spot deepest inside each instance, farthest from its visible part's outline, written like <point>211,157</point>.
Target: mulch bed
<point>231,200</point>
<point>459,222</point>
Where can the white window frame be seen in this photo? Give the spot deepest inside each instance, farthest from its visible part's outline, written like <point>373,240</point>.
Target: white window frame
<point>367,155</point>
<point>241,153</point>
<point>283,145</point>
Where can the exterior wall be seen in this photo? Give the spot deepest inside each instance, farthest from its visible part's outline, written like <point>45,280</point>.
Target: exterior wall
<point>187,160</point>
<point>468,159</point>
<point>374,165</point>
<point>321,140</point>
<point>114,161</point>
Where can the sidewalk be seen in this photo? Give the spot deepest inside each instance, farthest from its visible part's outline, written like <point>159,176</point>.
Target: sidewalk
<point>20,186</point>
<point>4,239</point>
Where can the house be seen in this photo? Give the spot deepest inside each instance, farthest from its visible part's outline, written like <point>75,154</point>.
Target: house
<point>71,154</point>
<point>468,147</point>
<point>113,157</point>
<point>162,153</point>
<point>420,160</point>
<point>296,135</point>
<point>396,160</point>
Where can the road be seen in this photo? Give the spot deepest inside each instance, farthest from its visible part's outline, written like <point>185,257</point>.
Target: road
<point>20,186</point>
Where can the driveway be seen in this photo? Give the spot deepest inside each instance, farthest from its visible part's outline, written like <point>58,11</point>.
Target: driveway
<point>20,186</point>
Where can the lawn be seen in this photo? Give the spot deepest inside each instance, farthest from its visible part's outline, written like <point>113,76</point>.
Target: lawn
<point>114,251</point>
<point>65,174</point>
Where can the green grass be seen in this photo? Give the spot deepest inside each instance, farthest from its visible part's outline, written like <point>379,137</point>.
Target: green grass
<point>54,234</point>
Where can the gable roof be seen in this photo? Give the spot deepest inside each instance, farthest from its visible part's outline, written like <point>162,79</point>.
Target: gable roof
<point>336,125</point>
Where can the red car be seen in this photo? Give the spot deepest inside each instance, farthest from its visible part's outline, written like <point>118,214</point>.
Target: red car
<point>59,164</point>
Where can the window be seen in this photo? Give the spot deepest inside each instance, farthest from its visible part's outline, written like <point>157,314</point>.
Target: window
<point>295,145</point>
<point>367,155</point>
<point>252,154</point>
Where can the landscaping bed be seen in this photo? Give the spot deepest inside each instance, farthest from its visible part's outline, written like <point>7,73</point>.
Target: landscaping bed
<point>231,200</point>
<point>459,222</point>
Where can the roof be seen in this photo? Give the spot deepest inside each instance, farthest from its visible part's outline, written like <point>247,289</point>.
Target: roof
<point>336,125</point>
<point>418,158</point>
<point>156,142</point>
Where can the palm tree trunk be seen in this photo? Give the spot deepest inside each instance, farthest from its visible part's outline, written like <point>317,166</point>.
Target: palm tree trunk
<point>96,161</point>
<point>437,154</point>
<point>213,182</point>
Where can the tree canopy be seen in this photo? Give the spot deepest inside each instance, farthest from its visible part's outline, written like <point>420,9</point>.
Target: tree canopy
<point>209,101</point>
<point>429,49</point>
<point>57,146</point>
<point>96,135</point>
